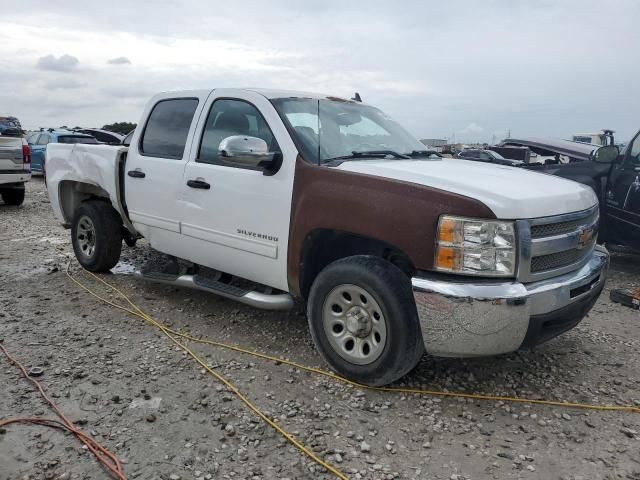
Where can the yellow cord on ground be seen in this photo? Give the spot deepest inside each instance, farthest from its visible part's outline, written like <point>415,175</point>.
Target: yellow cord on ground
<point>171,334</point>
<point>437,393</point>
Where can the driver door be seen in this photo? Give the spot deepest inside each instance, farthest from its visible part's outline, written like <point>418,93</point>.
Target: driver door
<point>623,196</point>
<point>236,218</point>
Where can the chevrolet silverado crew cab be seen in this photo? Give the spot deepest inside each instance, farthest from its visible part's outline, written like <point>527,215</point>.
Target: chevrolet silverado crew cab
<point>15,161</point>
<point>270,196</point>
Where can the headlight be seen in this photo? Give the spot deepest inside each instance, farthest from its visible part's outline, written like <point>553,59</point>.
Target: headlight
<point>476,247</point>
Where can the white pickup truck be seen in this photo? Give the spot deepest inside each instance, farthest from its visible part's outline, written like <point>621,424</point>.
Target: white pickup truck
<point>270,196</point>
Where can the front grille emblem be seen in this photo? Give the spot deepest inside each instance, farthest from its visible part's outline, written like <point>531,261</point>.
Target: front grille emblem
<point>585,237</point>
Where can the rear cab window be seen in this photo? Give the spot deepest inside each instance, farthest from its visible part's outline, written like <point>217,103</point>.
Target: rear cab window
<point>76,139</point>
<point>167,128</point>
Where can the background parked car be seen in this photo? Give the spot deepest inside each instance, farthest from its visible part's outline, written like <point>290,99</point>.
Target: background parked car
<point>487,156</point>
<point>103,136</point>
<point>612,173</point>
<point>38,142</point>
<point>14,161</point>
<point>10,127</point>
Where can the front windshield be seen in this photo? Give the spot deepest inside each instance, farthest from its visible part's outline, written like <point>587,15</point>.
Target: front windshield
<point>326,130</point>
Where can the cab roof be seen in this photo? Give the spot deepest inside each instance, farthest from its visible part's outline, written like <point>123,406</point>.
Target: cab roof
<point>273,93</point>
<point>265,92</point>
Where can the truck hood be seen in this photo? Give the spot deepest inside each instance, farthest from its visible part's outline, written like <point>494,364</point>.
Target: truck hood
<point>511,193</point>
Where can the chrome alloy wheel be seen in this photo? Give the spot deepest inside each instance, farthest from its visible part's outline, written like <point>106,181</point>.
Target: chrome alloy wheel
<point>86,236</point>
<point>354,324</point>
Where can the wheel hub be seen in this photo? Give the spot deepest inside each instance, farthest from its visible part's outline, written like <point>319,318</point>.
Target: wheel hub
<point>354,324</point>
<point>86,236</point>
<point>358,322</point>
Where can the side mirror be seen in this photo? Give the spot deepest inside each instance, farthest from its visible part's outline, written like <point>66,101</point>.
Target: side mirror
<point>606,154</point>
<point>245,151</point>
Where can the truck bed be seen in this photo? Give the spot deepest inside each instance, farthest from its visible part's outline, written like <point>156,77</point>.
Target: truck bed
<point>91,169</point>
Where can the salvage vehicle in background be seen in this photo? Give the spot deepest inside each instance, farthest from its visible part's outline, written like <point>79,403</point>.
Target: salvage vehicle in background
<point>621,196</point>
<point>15,159</point>
<point>101,135</point>
<point>266,196</point>
<point>38,142</point>
<point>10,127</point>
<point>547,151</point>
<point>488,156</point>
<point>603,137</point>
<point>612,174</point>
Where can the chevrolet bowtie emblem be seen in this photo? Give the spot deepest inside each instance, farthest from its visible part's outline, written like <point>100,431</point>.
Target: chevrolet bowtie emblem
<point>585,237</point>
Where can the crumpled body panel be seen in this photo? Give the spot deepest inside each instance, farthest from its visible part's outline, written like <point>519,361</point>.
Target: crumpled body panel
<point>95,166</point>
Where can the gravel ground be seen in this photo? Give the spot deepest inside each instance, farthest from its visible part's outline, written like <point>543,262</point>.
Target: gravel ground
<point>145,400</point>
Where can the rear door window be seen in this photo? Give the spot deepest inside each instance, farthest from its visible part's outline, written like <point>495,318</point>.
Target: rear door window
<point>44,139</point>
<point>167,128</point>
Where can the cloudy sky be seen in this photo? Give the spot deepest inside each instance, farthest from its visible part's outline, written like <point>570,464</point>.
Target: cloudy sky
<point>473,69</point>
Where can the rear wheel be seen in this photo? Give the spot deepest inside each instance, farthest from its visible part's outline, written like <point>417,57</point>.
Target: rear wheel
<point>363,320</point>
<point>96,235</point>
<point>13,196</point>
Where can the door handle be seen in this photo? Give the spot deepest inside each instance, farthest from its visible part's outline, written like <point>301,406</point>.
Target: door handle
<point>136,173</point>
<point>198,184</point>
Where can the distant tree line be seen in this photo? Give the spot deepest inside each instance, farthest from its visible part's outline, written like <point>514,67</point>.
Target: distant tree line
<point>120,127</point>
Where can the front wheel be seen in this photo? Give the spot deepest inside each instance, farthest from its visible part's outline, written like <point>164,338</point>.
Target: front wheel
<point>96,234</point>
<point>363,320</point>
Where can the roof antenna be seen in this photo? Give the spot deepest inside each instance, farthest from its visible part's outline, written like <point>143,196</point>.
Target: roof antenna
<point>357,98</point>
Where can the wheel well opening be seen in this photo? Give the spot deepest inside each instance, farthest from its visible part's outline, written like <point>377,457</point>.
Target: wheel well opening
<point>322,247</point>
<point>73,193</point>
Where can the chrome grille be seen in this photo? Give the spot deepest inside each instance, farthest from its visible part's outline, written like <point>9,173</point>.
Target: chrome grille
<point>555,260</point>
<point>551,229</point>
<point>552,246</point>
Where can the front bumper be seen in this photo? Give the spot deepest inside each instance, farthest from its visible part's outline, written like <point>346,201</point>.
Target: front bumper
<point>467,319</point>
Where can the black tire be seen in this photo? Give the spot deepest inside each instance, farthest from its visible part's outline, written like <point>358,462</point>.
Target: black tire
<point>107,235</point>
<point>391,289</point>
<point>14,196</point>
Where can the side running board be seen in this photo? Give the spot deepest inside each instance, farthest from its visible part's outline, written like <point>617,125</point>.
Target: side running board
<point>280,301</point>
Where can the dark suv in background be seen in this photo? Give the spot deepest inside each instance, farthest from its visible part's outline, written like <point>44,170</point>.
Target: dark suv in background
<point>487,156</point>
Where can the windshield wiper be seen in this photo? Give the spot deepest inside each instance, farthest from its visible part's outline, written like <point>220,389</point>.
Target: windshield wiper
<point>423,153</point>
<point>369,154</point>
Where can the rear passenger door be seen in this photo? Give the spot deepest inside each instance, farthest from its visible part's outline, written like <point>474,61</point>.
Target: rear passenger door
<point>155,165</point>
